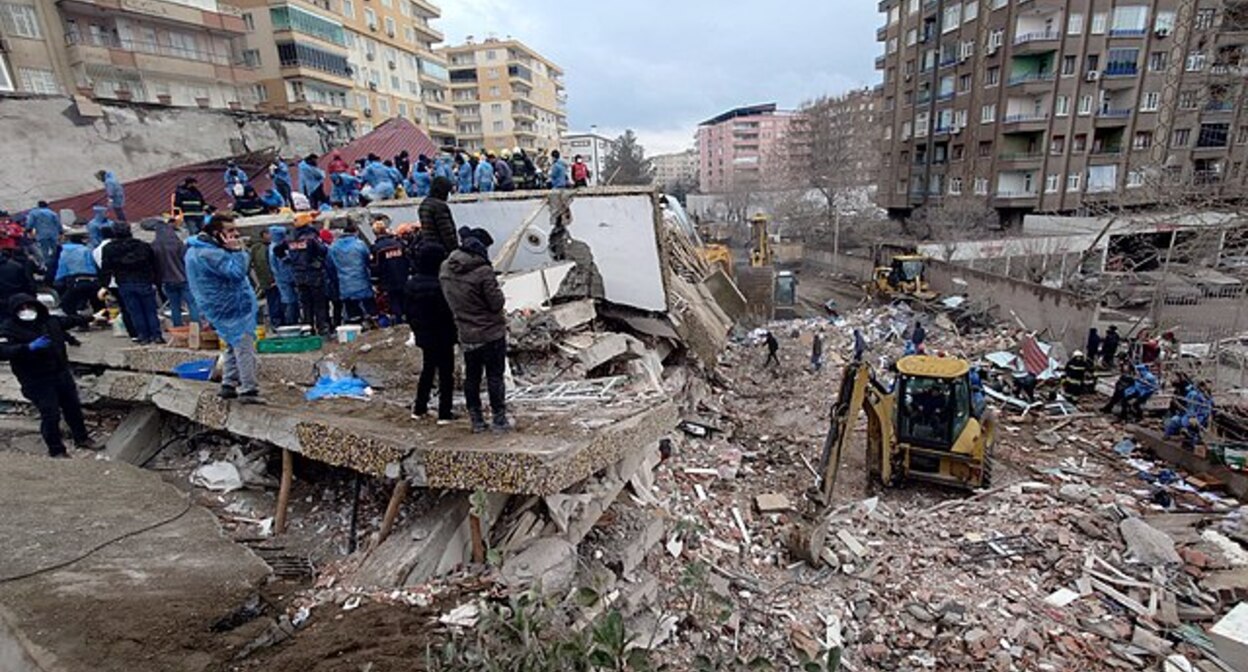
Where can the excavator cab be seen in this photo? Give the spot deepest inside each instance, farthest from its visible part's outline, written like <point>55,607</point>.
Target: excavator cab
<point>905,278</point>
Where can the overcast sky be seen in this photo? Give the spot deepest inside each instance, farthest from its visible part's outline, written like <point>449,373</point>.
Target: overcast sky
<point>660,67</point>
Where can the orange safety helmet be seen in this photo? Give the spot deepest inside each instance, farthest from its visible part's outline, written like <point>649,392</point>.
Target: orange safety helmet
<point>304,218</point>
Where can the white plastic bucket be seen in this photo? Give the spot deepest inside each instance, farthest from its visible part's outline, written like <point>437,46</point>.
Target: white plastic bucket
<point>349,332</point>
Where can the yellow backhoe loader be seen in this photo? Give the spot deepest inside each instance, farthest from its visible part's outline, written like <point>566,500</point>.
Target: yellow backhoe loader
<point>906,278</point>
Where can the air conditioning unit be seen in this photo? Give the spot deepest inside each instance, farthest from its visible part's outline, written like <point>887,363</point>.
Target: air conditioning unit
<point>393,65</point>
<point>909,77</point>
<point>1094,75</point>
<point>371,56</point>
<point>372,86</point>
<point>368,111</point>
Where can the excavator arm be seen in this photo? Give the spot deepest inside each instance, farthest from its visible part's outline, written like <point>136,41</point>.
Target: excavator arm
<point>859,391</point>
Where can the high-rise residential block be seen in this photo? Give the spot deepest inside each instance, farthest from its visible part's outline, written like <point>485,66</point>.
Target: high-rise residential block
<point>741,148</point>
<point>506,95</point>
<point>593,150</point>
<point>1061,106</point>
<point>676,168</point>
<point>172,52</point>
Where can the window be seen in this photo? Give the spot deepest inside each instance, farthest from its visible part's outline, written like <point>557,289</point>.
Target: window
<point>1061,106</point>
<point>912,37</point>
<point>394,83</point>
<point>383,105</point>
<point>1080,144</point>
<point>249,22</point>
<point>1085,106</point>
<point>1102,178</point>
<point>493,91</point>
<point>1187,100</point>
<point>1143,140</point>
<point>981,186</point>
<point>388,4</point>
<point>888,132</point>
<point>955,186</point>
<point>995,39</point>
<point>988,113</point>
<point>914,7</point>
<point>1135,178</point>
<point>1152,99</point>
<point>1130,20</point>
<point>1213,135</point>
<point>1057,145</point>
<point>1164,23</point>
<point>348,8</point>
<point>970,11</point>
<point>20,20</point>
<point>894,15</point>
<point>1072,181</point>
<point>1158,60</point>
<point>1074,24</point>
<point>964,83</point>
<point>998,4</point>
<point>953,18</point>
<point>959,151</point>
<point>370,17</point>
<point>405,8</point>
<point>35,80</point>
<point>251,57</point>
<point>905,130</point>
<point>497,126</point>
<point>985,149</point>
<point>1099,20</point>
<point>1070,65</point>
<point>1204,18</point>
<point>391,27</point>
<point>966,49</point>
<point>496,108</point>
<point>892,45</point>
<point>959,118</point>
<point>1195,61</point>
<point>1094,61</point>
<point>1180,136</point>
<point>992,76</point>
<point>1051,182</point>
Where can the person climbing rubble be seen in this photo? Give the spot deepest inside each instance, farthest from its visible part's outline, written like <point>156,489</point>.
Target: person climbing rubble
<point>1193,418</point>
<point>773,346</point>
<point>433,329</point>
<point>477,302</point>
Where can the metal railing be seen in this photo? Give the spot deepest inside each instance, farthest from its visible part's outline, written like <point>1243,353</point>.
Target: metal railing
<point>1021,118</point>
<point>1121,70</point>
<point>1001,193</point>
<point>1037,37</point>
<point>1113,113</point>
<point>1030,77</point>
<point>1019,156</point>
<point>1219,106</point>
<point>1127,32</point>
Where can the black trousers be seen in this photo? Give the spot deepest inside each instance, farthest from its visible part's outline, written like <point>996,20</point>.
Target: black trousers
<point>54,395</point>
<point>314,306</point>
<point>317,197</point>
<point>79,292</point>
<point>437,360</point>
<point>489,359</point>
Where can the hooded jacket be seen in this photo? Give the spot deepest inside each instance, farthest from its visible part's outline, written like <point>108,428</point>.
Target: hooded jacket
<point>45,223</point>
<point>283,274</point>
<point>473,294</point>
<point>16,335</point>
<point>310,178</point>
<point>484,178</point>
<point>128,259</point>
<point>420,183</point>
<point>113,189</point>
<point>428,313</point>
<point>96,225</point>
<point>559,174</point>
<point>170,254</point>
<point>305,254</point>
<point>436,222</point>
<point>337,164</point>
<point>349,256</point>
<point>17,275</point>
<point>219,281</point>
<point>281,173</point>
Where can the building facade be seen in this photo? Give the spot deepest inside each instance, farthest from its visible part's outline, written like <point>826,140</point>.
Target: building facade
<point>171,52</point>
<point>676,168</point>
<point>506,95</point>
<point>741,147</point>
<point>593,150</point>
<point>853,119</point>
<point>1060,106</point>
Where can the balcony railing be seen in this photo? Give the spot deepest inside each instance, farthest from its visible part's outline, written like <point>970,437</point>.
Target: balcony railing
<point>1219,106</point>
<point>1121,70</point>
<point>1019,156</point>
<point>1010,194</point>
<point>1021,118</point>
<point>1113,113</point>
<point>945,96</point>
<point>1036,37</point>
<point>153,48</point>
<point>947,62</point>
<point>1106,151</point>
<point>1127,32</point>
<point>1027,77</point>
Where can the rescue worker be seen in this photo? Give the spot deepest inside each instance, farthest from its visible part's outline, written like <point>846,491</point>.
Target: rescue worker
<point>483,178</point>
<point>443,167</point>
<point>580,172</point>
<point>272,200</point>
<point>919,335</point>
<point>337,164</point>
<point>77,277</point>
<point>171,269</point>
<point>188,199</point>
<point>477,303</point>
<point>331,283</point>
<point>115,193</point>
<point>1194,418</point>
<point>503,174</point>
<point>437,224</point>
<point>396,177</point>
<point>391,267</point>
<point>350,258</point>
<point>217,267</point>
<point>249,203</point>
<point>96,225</point>
<point>522,170</point>
<point>284,278</point>
<point>1134,395</point>
<point>1094,347</point>
<point>433,329</point>
<point>558,171</point>
<point>33,343</point>
<point>236,180</point>
<point>463,174</point>
<point>1109,346</point>
<point>1079,378</point>
<point>312,181</point>
<point>403,164</point>
<point>262,274</point>
<point>420,181</point>
<point>346,189</point>
<point>305,253</point>
<point>132,263</point>
<point>46,227</point>
<point>379,180</point>
<point>280,172</point>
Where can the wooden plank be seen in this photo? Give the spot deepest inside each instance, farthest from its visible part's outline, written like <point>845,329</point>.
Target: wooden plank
<point>1120,598</point>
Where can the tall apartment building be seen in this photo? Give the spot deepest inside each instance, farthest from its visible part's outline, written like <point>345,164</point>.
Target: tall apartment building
<point>853,119</point>
<point>676,168</point>
<point>741,146</point>
<point>1060,105</point>
<point>506,95</point>
<point>172,52</point>
<point>593,150</point>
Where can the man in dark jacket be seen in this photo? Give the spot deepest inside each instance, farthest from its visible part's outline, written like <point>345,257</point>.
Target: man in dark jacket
<point>17,276</point>
<point>477,302</point>
<point>190,201</point>
<point>391,267</point>
<point>436,223</point>
<point>171,269</point>
<point>33,342</point>
<point>1109,346</point>
<point>132,263</point>
<point>262,273</point>
<point>305,253</point>
<point>433,328</point>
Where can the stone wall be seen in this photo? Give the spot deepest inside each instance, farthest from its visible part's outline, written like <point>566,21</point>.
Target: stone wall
<point>53,146</point>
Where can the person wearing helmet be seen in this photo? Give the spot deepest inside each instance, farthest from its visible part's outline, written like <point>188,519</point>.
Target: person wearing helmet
<point>1079,378</point>
<point>306,255</point>
<point>502,173</point>
<point>391,268</point>
<point>520,175</point>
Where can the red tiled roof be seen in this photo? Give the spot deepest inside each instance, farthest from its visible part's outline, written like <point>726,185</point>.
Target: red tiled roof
<point>387,140</point>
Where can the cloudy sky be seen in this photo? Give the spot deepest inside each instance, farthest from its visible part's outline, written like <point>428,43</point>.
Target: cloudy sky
<point>660,67</point>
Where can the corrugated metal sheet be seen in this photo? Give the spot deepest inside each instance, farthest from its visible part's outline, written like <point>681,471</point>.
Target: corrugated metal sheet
<point>150,196</point>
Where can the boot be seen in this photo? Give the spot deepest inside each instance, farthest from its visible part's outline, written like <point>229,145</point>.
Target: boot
<point>500,425</point>
<point>478,421</point>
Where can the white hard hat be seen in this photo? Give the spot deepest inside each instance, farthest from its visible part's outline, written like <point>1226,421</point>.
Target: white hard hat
<point>1077,353</point>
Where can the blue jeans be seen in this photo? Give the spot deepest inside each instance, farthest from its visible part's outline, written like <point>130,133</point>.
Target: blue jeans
<point>178,293</point>
<point>139,299</point>
<point>47,247</point>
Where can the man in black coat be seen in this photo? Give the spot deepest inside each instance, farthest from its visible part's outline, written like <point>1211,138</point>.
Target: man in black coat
<point>33,342</point>
<point>1109,347</point>
<point>17,276</point>
<point>391,267</point>
<point>433,327</point>
<point>132,263</point>
<point>437,225</point>
<point>477,301</point>
<point>306,254</point>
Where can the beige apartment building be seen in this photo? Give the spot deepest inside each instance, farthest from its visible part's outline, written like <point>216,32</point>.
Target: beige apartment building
<point>676,168</point>
<point>506,95</point>
<point>1061,106</point>
<point>171,52</point>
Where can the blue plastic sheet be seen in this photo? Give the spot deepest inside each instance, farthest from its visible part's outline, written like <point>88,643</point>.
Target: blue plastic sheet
<point>330,387</point>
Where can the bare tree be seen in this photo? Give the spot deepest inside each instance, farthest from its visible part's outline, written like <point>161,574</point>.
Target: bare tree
<point>953,217</point>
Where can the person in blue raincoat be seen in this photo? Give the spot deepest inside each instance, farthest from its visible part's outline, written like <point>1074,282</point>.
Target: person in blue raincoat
<point>1133,391</point>
<point>396,175</point>
<point>443,167</point>
<point>273,199</point>
<point>96,225</point>
<point>350,258</point>
<point>377,178</point>
<point>280,172</point>
<point>463,174</point>
<point>312,181</point>
<point>346,191</point>
<point>218,271</point>
<point>77,276</point>
<point>558,171</point>
<point>284,277</point>
<point>420,182</point>
<point>115,192</point>
<point>483,179</point>
<point>235,179</point>
<point>1197,409</point>
<point>46,226</point>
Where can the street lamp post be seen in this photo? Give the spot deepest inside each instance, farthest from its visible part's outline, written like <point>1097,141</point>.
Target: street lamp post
<point>593,141</point>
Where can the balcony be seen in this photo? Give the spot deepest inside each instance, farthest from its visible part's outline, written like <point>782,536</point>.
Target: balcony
<point>1120,70</point>
<point>428,31</point>
<point>524,112</point>
<point>426,8</point>
<point>1036,42</point>
<point>879,62</point>
<point>1128,32</point>
<point>1110,116</point>
<point>949,62</point>
<point>300,60</point>
<point>1031,81</point>
<point>1013,123</point>
<point>942,97</point>
<point>1019,159</point>
<point>228,20</point>
<point>881,33</point>
<point>1215,107</point>
<point>1005,198</point>
<point>439,104</point>
<point>1103,155</point>
<point>156,58</point>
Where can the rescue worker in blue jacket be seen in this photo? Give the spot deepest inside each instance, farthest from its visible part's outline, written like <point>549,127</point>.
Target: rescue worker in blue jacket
<point>346,190</point>
<point>391,268</point>
<point>312,181</point>
<point>1194,418</point>
<point>558,171</point>
<point>306,255</point>
<point>1134,389</point>
<point>115,192</point>
<point>396,176</point>
<point>273,199</point>
<point>280,172</point>
<point>350,258</point>
<point>235,179</point>
<point>483,178</point>
<point>443,167</point>
<point>378,179</point>
<point>284,278</point>
<point>420,182</point>
<point>463,174</point>
<point>46,226</point>
<point>77,276</point>
<point>96,225</point>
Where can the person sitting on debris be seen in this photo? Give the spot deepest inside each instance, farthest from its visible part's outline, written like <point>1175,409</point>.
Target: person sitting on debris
<point>1194,418</point>
<point>773,346</point>
<point>345,191</point>
<point>437,224</point>
<point>350,258</point>
<point>249,203</point>
<point>305,254</point>
<point>477,302</point>
<point>33,343</point>
<point>1133,389</point>
<point>420,182</point>
<point>1079,378</point>
<point>391,268</point>
<point>217,270</point>
<point>132,263</point>
<point>77,276</point>
<point>1094,347</point>
<point>433,329</point>
<point>273,200</point>
<point>1109,346</point>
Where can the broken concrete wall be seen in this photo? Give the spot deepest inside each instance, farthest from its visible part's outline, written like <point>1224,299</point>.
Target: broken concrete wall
<point>54,148</point>
<point>1065,315</point>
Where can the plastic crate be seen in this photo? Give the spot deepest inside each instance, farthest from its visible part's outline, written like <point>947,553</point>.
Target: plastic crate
<point>271,346</point>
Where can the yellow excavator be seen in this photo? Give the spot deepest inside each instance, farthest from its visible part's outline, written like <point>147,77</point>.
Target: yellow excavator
<point>905,278</point>
<point>924,427</point>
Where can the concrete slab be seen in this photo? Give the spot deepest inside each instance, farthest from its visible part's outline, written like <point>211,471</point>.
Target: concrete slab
<point>137,439</point>
<point>149,596</point>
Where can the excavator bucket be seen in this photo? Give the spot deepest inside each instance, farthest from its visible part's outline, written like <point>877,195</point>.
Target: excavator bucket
<point>848,401</point>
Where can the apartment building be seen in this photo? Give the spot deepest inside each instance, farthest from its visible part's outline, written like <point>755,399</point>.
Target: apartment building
<point>741,146</point>
<point>676,168</point>
<point>171,52</point>
<point>593,150</point>
<point>1060,105</point>
<point>506,95</point>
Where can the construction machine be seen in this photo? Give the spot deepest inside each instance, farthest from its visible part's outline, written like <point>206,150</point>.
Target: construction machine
<point>905,278</point>
<point>922,427</point>
<point>768,294</point>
